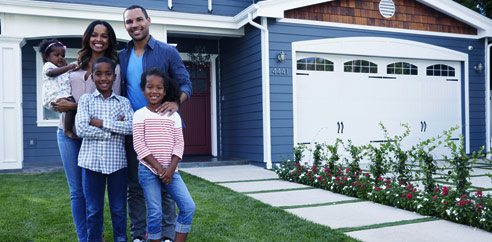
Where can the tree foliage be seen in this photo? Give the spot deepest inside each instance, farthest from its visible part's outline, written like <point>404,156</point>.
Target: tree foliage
<point>483,7</point>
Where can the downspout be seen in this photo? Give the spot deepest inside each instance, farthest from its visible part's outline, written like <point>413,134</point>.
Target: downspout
<point>170,4</point>
<point>210,6</point>
<point>265,63</point>
<point>487,96</point>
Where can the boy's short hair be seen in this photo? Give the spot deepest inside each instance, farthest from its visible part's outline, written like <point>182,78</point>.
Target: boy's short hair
<point>103,60</point>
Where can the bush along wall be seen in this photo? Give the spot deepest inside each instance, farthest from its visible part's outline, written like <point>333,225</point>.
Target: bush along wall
<point>397,177</point>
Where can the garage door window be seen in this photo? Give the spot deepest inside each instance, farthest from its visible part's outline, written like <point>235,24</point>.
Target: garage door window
<point>402,68</point>
<point>440,70</point>
<point>360,66</point>
<point>314,64</point>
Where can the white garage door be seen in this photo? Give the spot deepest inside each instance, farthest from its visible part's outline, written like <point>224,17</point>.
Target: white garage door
<point>341,96</point>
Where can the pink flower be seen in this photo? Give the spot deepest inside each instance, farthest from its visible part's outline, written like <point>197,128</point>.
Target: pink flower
<point>298,171</point>
<point>337,178</point>
<point>434,197</point>
<point>345,179</point>
<point>311,178</point>
<point>355,184</point>
<point>409,196</point>
<point>347,170</point>
<point>479,193</point>
<point>387,181</point>
<point>437,189</point>
<point>377,188</point>
<point>444,203</point>
<point>367,174</point>
<point>329,174</point>
<point>445,191</point>
<point>404,194</point>
<point>327,169</point>
<point>319,177</point>
<point>339,183</point>
<point>463,196</point>
<point>324,181</point>
<point>380,179</point>
<point>340,172</point>
<point>297,164</point>
<point>387,187</point>
<point>355,175</point>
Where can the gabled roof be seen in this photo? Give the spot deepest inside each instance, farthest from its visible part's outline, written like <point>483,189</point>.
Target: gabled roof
<point>277,8</point>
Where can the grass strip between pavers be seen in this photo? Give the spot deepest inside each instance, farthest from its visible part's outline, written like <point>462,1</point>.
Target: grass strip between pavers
<point>389,224</point>
<point>280,190</point>
<point>267,179</point>
<point>322,204</point>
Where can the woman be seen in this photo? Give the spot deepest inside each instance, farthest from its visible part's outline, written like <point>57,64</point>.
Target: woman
<point>99,40</point>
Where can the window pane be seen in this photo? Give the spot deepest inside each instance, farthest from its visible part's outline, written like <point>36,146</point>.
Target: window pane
<point>50,115</point>
<point>374,69</point>
<point>365,69</point>
<point>390,70</point>
<point>301,66</point>
<point>414,72</point>
<point>329,68</point>
<point>347,68</point>
<point>320,67</point>
<point>311,67</point>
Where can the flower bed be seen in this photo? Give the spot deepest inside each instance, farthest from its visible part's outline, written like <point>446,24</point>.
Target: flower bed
<point>400,189</point>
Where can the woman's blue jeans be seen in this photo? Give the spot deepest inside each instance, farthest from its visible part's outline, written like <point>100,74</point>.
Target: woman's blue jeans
<point>151,185</point>
<point>69,151</point>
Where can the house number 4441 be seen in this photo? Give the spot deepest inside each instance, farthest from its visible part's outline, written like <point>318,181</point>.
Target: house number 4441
<point>279,71</point>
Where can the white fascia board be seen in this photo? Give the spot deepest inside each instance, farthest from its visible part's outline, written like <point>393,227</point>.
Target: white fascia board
<point>80,11</point>
<point>276,8</point>
<point>463,14</point>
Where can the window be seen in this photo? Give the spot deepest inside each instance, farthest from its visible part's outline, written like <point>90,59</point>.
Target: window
<point>46,117</point>
<point>360,66</point>
<point>440,70</point>
<point>402,68</point>
<point>314,64</point>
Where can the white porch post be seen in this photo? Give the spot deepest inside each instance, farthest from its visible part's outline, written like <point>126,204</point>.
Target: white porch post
<point>11,150</point>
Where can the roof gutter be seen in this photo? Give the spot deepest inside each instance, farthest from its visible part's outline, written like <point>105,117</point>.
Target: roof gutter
<point>265,63</point>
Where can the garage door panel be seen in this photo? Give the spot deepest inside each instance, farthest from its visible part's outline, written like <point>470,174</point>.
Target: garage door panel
<point>429,104</point>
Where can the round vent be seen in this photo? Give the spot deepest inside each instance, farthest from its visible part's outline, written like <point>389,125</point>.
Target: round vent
<point>387,8</point>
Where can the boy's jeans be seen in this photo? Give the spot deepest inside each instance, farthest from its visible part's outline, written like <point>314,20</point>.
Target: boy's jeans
<point>152,185</point>
<point>94,188</point>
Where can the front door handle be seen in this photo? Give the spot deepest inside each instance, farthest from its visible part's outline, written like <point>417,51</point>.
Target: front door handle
<point>342,127</point>
<point>338,124</point>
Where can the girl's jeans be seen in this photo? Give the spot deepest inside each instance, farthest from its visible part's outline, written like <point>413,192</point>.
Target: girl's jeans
<point>151,185</point>
<point>69,151</point>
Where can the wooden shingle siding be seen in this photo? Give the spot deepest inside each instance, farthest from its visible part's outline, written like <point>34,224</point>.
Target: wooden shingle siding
<point>409,14</point>
<point>281,37</point>
<point>241,96</point>
<point>220,7</point>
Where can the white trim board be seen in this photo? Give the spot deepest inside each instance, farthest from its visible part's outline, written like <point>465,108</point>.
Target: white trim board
<point>384,47</point>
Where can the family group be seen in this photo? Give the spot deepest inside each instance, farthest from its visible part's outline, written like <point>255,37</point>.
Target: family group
<point>119,127</point>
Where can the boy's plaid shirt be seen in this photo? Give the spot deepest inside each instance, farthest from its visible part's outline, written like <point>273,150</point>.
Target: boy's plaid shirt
<point>103,149</point>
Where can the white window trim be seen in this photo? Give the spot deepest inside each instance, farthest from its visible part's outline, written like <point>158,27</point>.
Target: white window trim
<point>69,53</point>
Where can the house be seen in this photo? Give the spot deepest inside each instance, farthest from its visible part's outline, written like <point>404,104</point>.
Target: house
<point>271,74</point>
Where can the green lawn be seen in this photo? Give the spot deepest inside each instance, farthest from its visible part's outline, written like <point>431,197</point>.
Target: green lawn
<point>37,208</point>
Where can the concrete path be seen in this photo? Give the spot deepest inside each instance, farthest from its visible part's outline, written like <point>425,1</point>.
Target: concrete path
<point>350,215</point>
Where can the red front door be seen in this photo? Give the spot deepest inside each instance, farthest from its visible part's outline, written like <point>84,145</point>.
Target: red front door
<point>196,112</point>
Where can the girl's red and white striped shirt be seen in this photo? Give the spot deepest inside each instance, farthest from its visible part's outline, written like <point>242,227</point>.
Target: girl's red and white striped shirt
<point>157,135</point>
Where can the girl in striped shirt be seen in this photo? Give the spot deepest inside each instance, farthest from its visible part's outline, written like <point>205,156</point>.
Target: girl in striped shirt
<point>158,141</point>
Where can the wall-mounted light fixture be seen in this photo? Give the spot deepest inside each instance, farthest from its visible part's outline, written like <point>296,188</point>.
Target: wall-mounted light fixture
<point>199,57</point>
<point>281,56</point>
<point>478,67</point>
<point>470,48</point>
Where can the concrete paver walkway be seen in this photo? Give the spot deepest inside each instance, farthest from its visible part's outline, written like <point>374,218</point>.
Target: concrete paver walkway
<point>339,211</point>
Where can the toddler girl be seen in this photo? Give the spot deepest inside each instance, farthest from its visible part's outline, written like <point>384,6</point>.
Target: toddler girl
<point>56,84</point>
<point>158,141</point>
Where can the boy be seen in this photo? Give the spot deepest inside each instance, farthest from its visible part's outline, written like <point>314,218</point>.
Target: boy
<point>103,119</point>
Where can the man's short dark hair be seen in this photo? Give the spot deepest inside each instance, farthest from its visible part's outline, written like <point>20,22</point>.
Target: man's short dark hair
<point>135,7</point>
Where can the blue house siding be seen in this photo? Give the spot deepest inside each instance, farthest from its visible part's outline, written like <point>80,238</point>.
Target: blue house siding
<point>240,91</point>
<point>283,34</point>
<point>220,7</point>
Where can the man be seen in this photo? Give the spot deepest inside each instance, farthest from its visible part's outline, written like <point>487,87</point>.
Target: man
<point>142,53</point>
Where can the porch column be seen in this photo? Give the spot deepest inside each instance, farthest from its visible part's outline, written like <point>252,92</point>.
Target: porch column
<point>11,150</point>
